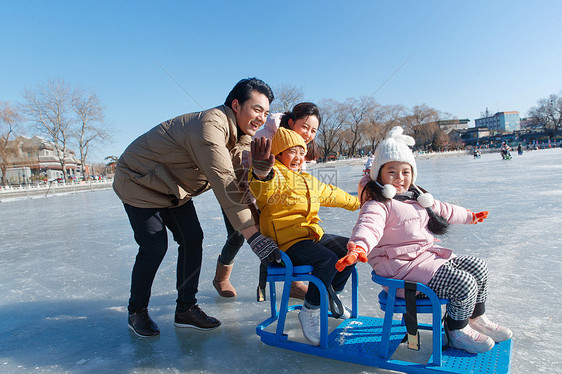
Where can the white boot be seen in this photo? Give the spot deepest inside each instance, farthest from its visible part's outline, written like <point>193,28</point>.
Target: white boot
<point>483,325</point>
<point>346,312</point>
<point>470,340</point>
<point>310,323</point>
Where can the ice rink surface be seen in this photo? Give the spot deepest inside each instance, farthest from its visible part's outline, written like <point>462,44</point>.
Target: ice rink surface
<point>66,260</point>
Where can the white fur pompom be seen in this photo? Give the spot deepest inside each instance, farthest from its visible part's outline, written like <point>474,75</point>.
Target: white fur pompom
<point>397,133</point>
<point>426,200</point>
<point>388,191</point>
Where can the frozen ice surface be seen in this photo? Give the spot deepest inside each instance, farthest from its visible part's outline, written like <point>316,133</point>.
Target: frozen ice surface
<point>66,263</point>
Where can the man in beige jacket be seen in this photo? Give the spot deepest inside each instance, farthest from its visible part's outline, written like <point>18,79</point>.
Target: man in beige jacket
<point>158,175</point>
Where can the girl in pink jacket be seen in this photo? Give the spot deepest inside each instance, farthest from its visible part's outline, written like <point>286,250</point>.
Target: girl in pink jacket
<point>394,233</point>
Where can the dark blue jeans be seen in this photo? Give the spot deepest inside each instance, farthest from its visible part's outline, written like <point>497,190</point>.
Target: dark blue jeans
<point>322,255</point>
<point>234,241</point>
<point>149,226</point>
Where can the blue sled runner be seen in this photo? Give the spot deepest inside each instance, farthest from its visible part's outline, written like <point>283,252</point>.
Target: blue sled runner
<point>375,341</point>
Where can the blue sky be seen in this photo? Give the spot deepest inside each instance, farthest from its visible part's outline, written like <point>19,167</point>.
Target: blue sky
<point>461,56</point>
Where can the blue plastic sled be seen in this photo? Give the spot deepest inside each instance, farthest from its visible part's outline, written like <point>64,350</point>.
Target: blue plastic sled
<point>361,339</point>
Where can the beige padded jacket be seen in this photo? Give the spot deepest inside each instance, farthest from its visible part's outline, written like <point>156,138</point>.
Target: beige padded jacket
<point>182,158</point>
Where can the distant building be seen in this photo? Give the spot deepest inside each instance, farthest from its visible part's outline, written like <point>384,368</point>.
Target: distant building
<point>453,124</point>
<point>471,136</point>
<point>500,122</point>
<point>36,159</point>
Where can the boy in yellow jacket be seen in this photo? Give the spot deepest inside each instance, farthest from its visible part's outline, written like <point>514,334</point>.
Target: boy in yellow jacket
<point>288,201</point>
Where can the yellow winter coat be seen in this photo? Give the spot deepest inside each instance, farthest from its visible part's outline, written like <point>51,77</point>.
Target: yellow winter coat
<point>289,204</point>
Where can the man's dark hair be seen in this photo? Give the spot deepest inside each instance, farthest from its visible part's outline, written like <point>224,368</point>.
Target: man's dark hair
<point>244,88</point>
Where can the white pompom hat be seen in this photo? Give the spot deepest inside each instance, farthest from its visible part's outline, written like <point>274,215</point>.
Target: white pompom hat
<point>396,147</point>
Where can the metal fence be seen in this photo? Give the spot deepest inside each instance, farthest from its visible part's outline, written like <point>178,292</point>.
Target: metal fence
<point>52,188</point>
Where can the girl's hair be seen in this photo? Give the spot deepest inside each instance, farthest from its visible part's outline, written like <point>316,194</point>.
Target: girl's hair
<point>299,111</point>
<point>373,191</point>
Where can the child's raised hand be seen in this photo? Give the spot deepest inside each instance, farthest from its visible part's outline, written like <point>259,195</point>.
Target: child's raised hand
<point>479,217</point>
<point>355,253</point>
<point>262,159</point>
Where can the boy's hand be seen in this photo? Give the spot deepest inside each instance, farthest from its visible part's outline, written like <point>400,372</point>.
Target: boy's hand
<point>479,217</point>
<point>262,159</point>
<point>355,253</point>
<point>264,248</point>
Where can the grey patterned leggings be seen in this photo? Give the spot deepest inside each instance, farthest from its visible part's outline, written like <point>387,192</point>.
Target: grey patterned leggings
<point>464,281</point>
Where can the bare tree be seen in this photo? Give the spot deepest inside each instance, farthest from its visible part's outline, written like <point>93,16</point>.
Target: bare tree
<point>372,126</point>
<point>393,114</point>
<point>333,119</point>
<point>66,117</point>
<point>346,138</point>
<point>286,97</point>
<point>548,112</point>
<point>440,140</point>
<point>379,120</point>
<point>357,111</point>
<point>421,122</point>
<point>90,128</point>
<point>10,120</point>
<point>425,133</point>
<point>48,109</point>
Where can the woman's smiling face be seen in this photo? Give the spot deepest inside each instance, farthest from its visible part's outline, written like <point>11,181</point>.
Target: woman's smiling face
<point>305,127</point>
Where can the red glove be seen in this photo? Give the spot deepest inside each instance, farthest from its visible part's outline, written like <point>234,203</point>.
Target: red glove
<point>479,217</point>
<point>354,253</point>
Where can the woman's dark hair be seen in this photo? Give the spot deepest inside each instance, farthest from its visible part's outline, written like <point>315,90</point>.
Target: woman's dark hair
<point>373,191</point>
<point>299,111</point>
<point>243,90</point>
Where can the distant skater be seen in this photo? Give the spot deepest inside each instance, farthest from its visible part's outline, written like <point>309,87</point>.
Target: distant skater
<point>368,164</point>
<point>504,150</point>
<point>476,153</point>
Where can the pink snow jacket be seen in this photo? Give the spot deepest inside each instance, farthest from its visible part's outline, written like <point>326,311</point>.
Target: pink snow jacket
<point>397,241</point>
<point>270,126</point>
